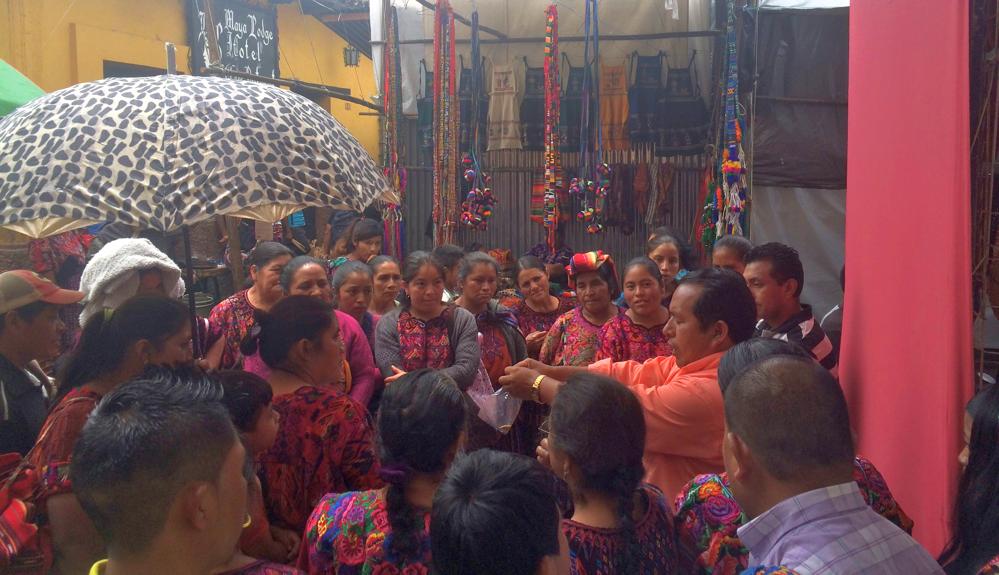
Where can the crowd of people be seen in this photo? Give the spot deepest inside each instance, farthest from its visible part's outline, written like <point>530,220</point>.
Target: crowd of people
<point>673,418</point>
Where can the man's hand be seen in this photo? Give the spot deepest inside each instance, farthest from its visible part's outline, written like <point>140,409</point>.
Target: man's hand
<point>519,380</point>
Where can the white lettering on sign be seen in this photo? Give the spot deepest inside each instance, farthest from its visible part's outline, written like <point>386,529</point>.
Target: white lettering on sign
<point>246,38</point>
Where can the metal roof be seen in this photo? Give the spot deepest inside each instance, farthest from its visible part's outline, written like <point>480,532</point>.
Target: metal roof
<point>348,18</point>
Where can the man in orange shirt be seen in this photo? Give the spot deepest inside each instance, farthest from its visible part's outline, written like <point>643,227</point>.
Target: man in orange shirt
<point>711,311</point>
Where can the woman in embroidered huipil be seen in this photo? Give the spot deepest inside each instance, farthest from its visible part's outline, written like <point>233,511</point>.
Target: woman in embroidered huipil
<point>114,347</point>
<point>536,308</point>
<point>305,275</point>
<point>425,332</point>
<point>596,443</point>
<point>637,334</point>
<point>421,425</point>
<point>574,338</point>
<point>352,287</point>
<point>233,317</point>
<point>325,443</point>
<point>500,343</point>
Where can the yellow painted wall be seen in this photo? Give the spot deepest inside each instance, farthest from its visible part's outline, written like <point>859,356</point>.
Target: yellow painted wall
<point>58,43</point>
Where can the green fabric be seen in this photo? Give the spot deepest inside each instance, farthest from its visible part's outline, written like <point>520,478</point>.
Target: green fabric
<point>15,89</point>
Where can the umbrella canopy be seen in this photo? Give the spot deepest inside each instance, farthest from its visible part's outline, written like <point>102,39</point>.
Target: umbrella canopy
<point>166,151</point>
<point>15,89</point>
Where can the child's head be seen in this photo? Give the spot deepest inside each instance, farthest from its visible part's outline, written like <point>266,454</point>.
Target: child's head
<point>248,399</point>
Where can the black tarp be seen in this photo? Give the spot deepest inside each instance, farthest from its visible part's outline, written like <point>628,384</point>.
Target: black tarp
<point>799,131</point>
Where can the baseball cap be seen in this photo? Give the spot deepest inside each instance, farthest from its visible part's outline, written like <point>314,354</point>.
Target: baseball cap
<point>19,288</point>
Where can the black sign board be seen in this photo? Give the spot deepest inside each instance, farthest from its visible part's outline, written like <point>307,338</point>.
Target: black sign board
<point>247,36</point>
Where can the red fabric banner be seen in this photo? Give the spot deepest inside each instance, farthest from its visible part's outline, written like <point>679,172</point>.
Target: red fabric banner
<point>907,348</point>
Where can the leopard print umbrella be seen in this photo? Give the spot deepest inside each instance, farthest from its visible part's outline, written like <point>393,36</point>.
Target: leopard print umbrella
<point>166,151</point>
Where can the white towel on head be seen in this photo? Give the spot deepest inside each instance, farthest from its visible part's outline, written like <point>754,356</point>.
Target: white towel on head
<point>112,275</point>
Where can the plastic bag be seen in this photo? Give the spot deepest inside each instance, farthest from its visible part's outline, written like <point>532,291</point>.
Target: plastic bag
<point>497,408</point>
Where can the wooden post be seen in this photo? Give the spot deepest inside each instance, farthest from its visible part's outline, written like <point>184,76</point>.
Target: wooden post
<point>235,256</point>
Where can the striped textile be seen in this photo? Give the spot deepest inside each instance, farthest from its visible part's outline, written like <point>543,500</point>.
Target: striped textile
<point>832,531</point>
<point>803,330</point>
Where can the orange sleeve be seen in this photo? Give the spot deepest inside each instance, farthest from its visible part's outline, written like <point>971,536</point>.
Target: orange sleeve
<point>630,373</point>
<point>680,419</point>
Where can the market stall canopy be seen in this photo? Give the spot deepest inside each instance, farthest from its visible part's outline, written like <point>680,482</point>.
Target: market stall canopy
<point>162,152</point>
<point>15,89</point>
<point>517,20</point>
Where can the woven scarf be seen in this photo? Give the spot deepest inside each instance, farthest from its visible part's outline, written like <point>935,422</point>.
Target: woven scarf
<point>446,120</point>
<point>392,107</point>
<point>552,100</point>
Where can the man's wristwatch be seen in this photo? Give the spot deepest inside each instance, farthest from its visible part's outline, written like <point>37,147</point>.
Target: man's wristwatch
<point>536,389</point>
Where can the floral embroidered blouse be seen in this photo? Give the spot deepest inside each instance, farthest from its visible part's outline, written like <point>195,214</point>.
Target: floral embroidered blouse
<point>531,321</point>
<point>350,534</point>
<point>325,444</point>
<point>230,320</point>
<point>622,339</point>
<point>572,340</point>
<point>708,516</point>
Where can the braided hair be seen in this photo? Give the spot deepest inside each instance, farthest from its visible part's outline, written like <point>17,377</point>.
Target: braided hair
<point>598,424</point>
<point>419,421</point>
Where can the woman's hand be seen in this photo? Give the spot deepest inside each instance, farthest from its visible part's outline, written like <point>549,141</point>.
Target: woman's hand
<point>396,374</point>
<point>289,539</point>
<point>535,340</point>
<point>536,365</point>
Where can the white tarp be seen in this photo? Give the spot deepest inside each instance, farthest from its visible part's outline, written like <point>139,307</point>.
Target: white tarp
<point>410,28</point>
<point>812,221</point>
<point>803,4</point>
<point>526,18</point>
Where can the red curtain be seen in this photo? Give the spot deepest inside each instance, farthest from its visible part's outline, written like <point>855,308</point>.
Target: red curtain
<point>907,348</point>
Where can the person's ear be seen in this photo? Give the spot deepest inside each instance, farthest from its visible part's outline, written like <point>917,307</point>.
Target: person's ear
<point>719,333</point>
<point>741,464</point>
<point>302,349</point>
<point>298,353</point>
<point>197,506</point>
<point>143,351</point>
<point>790,288</point>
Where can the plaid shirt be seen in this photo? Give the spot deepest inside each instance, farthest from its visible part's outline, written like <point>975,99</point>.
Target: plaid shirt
<point>803,330</point>
<point>832,531</point>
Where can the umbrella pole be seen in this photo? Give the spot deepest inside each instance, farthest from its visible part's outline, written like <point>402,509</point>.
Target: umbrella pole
<point>192,307</point>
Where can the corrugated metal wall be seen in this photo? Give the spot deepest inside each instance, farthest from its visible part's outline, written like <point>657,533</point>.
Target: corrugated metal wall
<point>511,226</point>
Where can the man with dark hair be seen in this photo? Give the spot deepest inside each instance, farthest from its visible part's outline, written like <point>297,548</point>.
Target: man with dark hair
<point>449,256</point>
<point>160,471</point>
<point>789,456</point>
<point>711,310</point>
<point>776,277</point>
<point>496,514</point>
<point>30,330</point>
